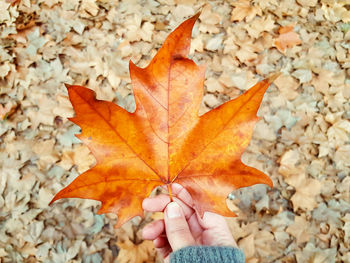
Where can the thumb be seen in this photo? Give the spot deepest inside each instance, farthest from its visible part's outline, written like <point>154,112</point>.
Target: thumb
<point>176,227</point>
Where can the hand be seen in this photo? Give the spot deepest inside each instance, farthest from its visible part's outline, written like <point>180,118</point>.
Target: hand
<point>182,226</point>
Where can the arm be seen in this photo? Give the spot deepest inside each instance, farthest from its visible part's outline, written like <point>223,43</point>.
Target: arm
<point>207,254</point>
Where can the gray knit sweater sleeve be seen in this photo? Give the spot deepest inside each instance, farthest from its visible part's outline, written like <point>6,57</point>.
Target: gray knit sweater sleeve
<point>204,254</point>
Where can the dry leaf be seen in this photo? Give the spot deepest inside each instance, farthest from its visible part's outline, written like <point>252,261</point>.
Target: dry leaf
<point>136,253</point>
<point>164,140</point>
<point>287,38</point>
<point>244,9</point>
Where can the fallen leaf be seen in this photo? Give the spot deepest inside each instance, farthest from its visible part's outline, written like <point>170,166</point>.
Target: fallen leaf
<point>137,253</point>
<point>244,9</point>
<point>287,86</point>
<point>25,21</point>
<point>89,8</point>
<point>307,2</point>
<point>287,38</point>
<point>164,140</point>
<point>248,246</point>
<point>13,2</point>
<point>306,191</point>
<point>300,229</point>
<point>7,110</point>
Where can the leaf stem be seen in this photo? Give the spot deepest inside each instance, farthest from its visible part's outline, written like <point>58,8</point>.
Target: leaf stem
<point>170,193</point>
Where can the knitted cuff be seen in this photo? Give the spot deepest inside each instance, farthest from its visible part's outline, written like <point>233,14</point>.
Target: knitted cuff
<point>207,254</point>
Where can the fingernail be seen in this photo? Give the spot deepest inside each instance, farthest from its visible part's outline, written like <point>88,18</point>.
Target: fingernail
<point>173,210</point>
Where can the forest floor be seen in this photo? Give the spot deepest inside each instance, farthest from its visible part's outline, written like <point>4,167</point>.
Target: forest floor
<point>302,140</point>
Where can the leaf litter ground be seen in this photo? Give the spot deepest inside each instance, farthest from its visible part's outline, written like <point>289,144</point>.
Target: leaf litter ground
<point>302,141</point>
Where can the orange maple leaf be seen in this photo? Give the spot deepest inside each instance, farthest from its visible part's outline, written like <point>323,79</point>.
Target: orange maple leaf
<point>164,140</point>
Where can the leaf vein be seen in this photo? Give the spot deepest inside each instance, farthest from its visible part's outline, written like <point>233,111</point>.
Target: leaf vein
<point>214,137</point>
<point>117,133</point>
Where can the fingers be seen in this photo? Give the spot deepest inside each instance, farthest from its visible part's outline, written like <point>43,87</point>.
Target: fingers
<point>161,242</point>
<point>183,227</point>
<point>177,229</point>
<point>216,231</point>
<point>195,227</point>
<point>181,193</point>
<point>163,247</point>
<point>153,230</point>
<point>158,204</point>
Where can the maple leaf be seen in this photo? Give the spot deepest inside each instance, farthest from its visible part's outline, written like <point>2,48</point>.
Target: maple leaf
<point>244,9</point>
<point>287,38</point>
<point>164,140</point>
